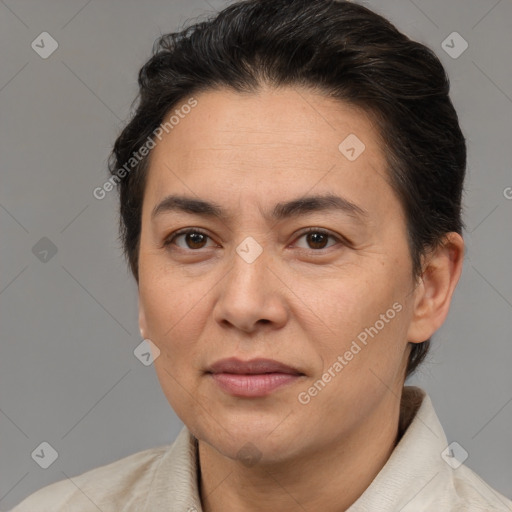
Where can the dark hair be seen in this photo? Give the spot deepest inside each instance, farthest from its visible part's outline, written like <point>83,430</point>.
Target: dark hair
<point>340,49</point>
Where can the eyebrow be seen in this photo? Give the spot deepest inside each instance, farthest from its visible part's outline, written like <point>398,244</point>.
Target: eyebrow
<point>294,208</point>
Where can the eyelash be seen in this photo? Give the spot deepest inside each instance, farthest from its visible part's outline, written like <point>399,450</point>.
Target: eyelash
<point>169,240</point>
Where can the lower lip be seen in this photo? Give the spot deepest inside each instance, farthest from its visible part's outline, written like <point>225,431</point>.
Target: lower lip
<point>257,385</point>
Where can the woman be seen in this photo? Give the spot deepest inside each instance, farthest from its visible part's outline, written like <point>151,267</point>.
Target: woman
<point>290,197</point>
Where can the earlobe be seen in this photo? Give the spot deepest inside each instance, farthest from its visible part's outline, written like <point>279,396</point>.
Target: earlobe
<point>442,270</point>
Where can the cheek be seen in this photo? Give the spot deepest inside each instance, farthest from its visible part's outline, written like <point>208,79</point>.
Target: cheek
<point>365,309</point>
<point>363,354</point>
<point>173,310</point>
<point>174,315</point>
<point>352,302</point>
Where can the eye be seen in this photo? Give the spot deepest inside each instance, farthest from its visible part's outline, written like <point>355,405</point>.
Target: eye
<point>317,238</point>
<point>194,239</point>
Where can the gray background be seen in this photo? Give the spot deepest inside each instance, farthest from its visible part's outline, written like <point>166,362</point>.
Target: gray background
<point>69,325</point>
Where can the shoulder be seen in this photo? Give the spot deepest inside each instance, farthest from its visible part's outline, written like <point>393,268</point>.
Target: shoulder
<point>476,495</point>
<point>111,487</point>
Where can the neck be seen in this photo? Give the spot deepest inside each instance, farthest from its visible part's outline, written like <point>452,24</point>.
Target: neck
<point>330,479</point>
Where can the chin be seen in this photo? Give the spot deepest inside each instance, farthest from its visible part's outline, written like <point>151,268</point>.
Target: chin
<point>266,440</point>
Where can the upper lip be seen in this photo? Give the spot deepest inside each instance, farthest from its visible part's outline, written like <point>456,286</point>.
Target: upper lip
<point>251,367</point>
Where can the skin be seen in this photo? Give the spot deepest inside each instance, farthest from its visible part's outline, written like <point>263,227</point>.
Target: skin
<point>301,302</point>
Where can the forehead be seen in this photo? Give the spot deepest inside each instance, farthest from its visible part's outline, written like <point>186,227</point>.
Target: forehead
<point>267,144</point>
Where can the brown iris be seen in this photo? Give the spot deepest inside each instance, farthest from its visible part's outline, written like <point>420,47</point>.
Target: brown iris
<point>194,240</point>
<point>315,239</point>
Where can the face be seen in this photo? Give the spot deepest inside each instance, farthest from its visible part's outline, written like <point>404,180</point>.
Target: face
<point>273,272</point>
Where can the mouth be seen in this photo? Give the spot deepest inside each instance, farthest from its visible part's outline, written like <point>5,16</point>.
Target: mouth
<point>254,378</point>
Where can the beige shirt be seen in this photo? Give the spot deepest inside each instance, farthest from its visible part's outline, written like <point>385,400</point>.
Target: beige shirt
<point>421,475</point>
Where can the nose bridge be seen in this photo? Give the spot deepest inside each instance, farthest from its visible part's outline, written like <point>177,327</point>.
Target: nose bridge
<point>250,250</point>
<point>250,267</point>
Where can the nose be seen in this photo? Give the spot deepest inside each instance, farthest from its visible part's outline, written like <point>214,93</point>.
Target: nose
<point>251,296</point>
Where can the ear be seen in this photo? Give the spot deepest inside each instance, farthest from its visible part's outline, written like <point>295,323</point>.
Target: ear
<point>142,321</point>
<point>442,268</point>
